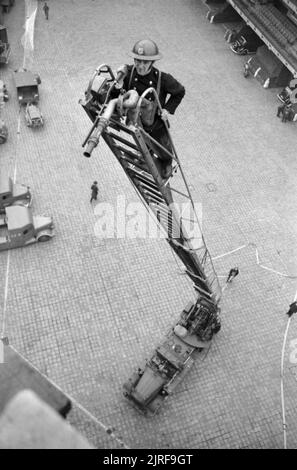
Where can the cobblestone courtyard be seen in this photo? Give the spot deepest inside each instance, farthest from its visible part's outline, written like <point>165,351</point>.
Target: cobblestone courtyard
<point>87,311</point>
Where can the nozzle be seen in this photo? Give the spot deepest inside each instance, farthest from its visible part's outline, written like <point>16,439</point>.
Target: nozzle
<point>92,143</point>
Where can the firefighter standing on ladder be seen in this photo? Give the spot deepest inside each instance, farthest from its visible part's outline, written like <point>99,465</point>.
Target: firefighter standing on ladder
<point>143,75</point>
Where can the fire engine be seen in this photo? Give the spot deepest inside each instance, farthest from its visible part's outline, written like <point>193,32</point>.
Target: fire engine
<point>117,120</point>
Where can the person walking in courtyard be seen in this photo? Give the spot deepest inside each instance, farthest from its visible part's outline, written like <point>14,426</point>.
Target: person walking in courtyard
<point>284,111</point>
<point>46,10</point>
<point>95,190</point>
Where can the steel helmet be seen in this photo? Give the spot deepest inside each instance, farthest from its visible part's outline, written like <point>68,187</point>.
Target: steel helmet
<point>145,49</point>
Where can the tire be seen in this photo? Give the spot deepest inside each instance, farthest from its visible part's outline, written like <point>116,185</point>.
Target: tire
<point>217,328</point>
<point>127,388</point>
<point>155,405</point>
<point>44,238</point>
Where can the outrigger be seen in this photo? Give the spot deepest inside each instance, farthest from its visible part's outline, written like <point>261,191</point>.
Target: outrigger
<point>118,122</point>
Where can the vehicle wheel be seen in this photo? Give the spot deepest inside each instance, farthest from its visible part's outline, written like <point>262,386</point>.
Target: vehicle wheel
<point>217,328</point>
<point>44,238</point>
<point>246,72</point>
<point>127,388</point>
<point>155,405</point>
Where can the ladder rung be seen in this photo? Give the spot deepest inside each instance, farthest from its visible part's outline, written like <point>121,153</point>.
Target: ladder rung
<point>136,163</point>
<point>118,125</point>
<point>135,175</point>
<point>128,152</point>
<point>148,187</point>
<point>152,192</point>
<point>154,197</point>
<point>124,141</point>
<point>149,183</point>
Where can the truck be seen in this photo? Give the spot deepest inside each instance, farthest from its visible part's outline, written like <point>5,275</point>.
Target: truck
<point>13,193</point>
<point>33,116</point>
<point>19,227</point>
<point>26,83</point>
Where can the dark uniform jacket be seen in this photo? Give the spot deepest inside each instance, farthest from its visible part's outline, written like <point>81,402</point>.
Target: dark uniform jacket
<point>171,91</point>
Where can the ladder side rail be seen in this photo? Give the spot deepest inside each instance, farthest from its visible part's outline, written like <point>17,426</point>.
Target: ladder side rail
<point>152,90</point>
<point>187,255</point>
<point>150,138</point>
<point>189,258</point>
<point>119,155</point>
<point>193,265</point>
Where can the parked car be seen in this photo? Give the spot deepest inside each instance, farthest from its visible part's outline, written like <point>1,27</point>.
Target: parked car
<point>19,227</point>
<point>13,193</point>
<point>33,116</point>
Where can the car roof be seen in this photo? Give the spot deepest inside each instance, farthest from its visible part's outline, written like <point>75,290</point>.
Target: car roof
<point>18,217</point>
<point>6,184</point>
<point>24,79</point>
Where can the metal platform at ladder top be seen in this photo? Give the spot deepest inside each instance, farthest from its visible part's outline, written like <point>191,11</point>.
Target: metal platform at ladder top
<point>169,201</point>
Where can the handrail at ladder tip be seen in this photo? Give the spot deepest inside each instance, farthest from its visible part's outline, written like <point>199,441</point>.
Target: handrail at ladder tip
<point>166,122</point>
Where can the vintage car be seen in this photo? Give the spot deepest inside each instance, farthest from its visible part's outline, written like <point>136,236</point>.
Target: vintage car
<point>33,116</point>
<point>3,132</point>
<point>13,193</point>
<point>26,84</point>
<point>19,227</point>
<point>4,46</point>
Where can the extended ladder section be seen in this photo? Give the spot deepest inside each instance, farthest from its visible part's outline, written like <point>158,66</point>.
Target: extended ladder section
<point>168,201</point>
